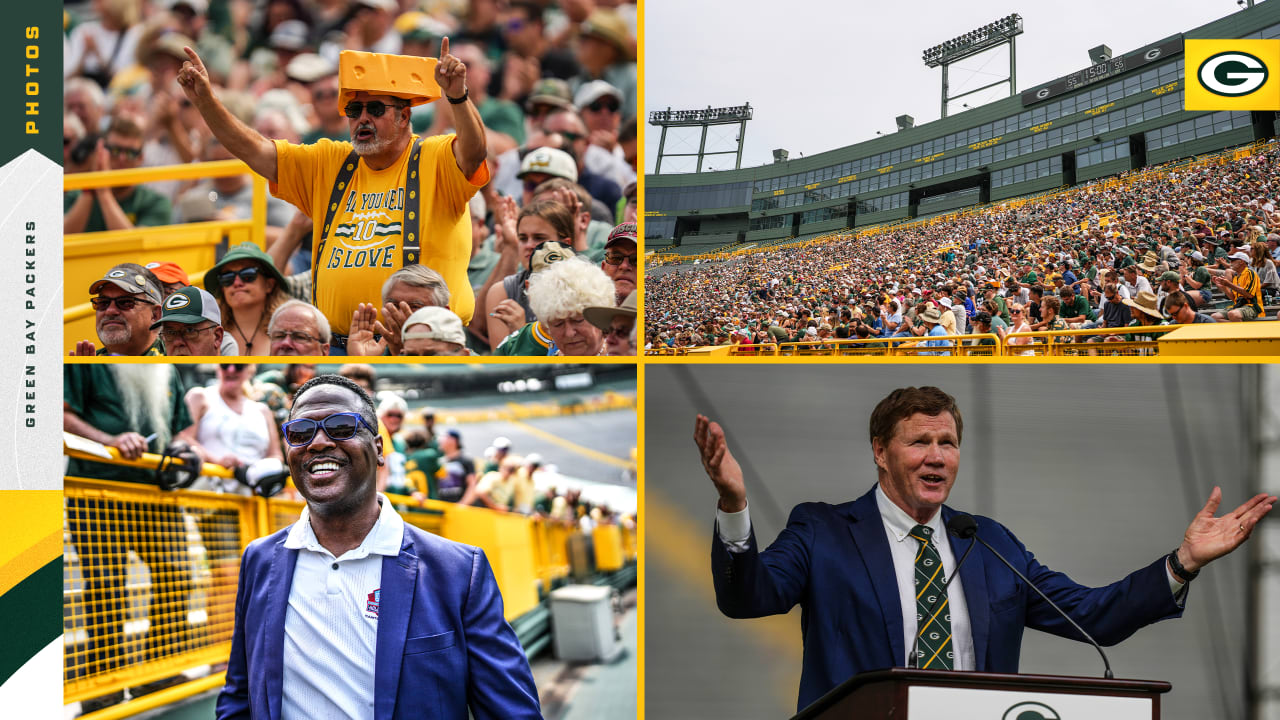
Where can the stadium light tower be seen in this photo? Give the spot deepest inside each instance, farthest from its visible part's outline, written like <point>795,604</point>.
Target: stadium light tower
<point>987,37</point>
<point>705,118</point>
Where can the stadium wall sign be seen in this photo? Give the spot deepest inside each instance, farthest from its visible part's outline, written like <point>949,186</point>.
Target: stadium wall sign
<point>1103,71</point>
<point>1232,75</point>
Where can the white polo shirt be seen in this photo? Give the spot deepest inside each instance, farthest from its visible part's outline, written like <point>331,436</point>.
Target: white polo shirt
<point>331,626</point>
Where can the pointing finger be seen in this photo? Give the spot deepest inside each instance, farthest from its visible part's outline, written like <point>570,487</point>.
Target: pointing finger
<point>444,47</point>
<point>195,59</point>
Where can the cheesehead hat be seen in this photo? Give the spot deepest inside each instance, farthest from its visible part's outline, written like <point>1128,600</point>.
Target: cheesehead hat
<point>407,77</point>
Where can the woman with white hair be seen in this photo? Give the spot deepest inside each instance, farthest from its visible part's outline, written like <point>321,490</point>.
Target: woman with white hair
<point>559,294</point>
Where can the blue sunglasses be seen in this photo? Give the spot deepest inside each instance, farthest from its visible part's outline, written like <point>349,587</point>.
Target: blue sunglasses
<point>338,426</point>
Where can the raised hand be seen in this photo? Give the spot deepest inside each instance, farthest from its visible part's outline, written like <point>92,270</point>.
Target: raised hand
<point>395,316</point>
<point>451,73</point>
<point>719,464</point>
<point>360,341</point>
<point>193,78</point>
<point>1209,538</point>
<point>84,348</point>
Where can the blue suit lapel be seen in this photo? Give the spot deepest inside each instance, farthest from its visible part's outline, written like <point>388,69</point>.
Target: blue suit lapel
<point>279,583</point>
<point>399,578</point>
<point>868,536</point>
<point>973,575</point>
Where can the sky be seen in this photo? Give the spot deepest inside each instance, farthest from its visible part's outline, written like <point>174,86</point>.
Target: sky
<point>823,74</point>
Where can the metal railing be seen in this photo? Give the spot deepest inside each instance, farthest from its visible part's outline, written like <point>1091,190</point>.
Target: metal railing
<point>87,256</point>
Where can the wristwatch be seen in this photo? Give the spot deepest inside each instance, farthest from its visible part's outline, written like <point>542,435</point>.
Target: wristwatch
<point>1178,570</point>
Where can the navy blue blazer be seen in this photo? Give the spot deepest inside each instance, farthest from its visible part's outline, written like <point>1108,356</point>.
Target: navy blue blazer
<point>834,560</point>
<point>443,645</point>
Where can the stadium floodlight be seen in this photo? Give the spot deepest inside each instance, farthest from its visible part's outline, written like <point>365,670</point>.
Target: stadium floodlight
<point>987,37</point>
<point>703,118</point>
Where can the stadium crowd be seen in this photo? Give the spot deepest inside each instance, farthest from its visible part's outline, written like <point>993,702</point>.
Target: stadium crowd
<point>1185,243</point>
<point>536,100</point>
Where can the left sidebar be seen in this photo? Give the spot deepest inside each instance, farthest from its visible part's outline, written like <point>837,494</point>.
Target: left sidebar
<point>31,383</point>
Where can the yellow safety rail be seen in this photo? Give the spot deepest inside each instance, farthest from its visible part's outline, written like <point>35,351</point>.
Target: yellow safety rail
<point>194,246</point>
<point>1137,341</point>
<point>150,576</point>
<point>1134,341</point>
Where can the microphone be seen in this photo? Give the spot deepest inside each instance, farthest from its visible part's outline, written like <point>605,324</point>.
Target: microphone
<point>962,526</point>
<point>973,531</point>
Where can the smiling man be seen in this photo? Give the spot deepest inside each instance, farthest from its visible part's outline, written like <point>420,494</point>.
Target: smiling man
<point>386,200</point>
<point>350,612</point>
<point>880,562</point>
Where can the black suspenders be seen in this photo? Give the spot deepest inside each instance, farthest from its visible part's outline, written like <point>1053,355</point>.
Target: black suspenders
<point>409,221</point>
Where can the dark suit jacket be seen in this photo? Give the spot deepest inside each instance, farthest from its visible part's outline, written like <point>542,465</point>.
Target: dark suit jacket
<point>834,560</point>
<point>443,645</point>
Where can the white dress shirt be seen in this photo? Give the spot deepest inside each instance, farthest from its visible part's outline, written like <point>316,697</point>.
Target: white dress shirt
<point>331,626</point>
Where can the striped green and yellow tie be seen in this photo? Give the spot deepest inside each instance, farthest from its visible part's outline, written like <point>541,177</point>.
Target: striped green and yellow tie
<point>933,611</point>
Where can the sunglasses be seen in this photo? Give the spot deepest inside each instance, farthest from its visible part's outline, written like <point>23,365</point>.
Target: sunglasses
<point>375,108</point>
<point>621,333</point>
<point>125,152</point>
<point>600,105</point>
<point>338,426</point>
<point>237,367</point>
<point>616,258</point>
<point>123,303</point>
<point>247,275</point>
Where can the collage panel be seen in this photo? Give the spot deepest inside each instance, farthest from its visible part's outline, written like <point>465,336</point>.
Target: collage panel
<point>229,531</point>
<point>357,177</point>
<point>1100,470</point>
<point>1058,197</point>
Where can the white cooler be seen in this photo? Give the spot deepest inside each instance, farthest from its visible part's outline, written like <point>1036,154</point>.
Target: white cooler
<point>582,619</point>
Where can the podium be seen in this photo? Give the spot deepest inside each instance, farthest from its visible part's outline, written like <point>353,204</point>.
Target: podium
<point>905,694</point>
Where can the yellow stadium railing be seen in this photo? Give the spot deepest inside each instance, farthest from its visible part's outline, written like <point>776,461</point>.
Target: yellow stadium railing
<point>194,246</point>
<point>150,576</point>
<point>1136,341</point>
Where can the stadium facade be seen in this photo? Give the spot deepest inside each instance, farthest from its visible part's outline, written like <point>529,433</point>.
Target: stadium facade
<point>1115,116</point>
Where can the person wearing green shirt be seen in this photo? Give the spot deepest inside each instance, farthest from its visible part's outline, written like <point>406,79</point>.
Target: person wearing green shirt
<point>1075,308</point>
<point>115,208</point>
<point>420,469</point>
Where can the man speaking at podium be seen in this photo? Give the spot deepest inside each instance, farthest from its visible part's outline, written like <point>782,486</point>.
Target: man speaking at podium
<point>869,573</point>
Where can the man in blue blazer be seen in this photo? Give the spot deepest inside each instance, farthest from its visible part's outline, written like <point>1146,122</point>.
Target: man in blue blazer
<point>855,568</point>
<point>351,613</point>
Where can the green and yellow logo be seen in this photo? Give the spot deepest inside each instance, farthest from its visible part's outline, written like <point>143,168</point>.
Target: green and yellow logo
<point>1232,74</point>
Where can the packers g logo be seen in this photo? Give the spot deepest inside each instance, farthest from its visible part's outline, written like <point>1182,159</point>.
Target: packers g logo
<point>1030,711</point>
<point>177,301</point>
<point>1232,73</point>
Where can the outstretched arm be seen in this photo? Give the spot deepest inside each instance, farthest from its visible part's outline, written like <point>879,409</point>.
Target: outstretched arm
<point>469,147</point>
<point>242,141</point>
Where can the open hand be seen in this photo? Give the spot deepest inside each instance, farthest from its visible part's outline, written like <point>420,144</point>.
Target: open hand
<point>719,464</point>
<point>1209,538</point>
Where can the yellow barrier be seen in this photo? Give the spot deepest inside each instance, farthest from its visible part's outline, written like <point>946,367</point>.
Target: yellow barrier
<point>1137,341</point>
<point>151,576</point>
<point>194,246</point>
<point>873,347</point>
<point>608,545</point>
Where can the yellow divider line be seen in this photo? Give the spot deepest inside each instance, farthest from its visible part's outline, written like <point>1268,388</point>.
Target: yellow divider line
<point>557,440</point>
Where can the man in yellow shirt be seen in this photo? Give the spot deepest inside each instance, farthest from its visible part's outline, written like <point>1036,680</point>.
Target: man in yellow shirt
<point>387,198</point>
<point>1244,289</point>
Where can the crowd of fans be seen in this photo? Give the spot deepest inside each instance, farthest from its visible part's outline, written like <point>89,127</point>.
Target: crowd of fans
<point>1186,243</point>
<point>234,419</point>
<point>554,83</point>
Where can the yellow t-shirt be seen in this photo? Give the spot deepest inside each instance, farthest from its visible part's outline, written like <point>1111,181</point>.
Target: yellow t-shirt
<point>364,246</point>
